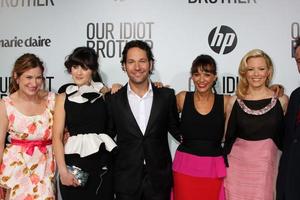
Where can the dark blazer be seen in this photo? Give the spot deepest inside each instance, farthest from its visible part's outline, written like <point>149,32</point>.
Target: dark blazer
<point>288,180</point>
<point>134,147</point>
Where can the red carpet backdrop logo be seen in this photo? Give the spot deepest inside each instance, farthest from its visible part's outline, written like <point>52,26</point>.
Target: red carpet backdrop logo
<point>25,3</point>
<point>222,39</point>
<point>222,1</point>
<point>108,39</point>
<point>295,33</point>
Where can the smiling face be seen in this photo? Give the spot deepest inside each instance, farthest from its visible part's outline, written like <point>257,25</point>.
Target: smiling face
<point>203,80</point>
<point>137,66</point>
<point>81,75</point>
<point>257,72</point>
<point>31,81</point>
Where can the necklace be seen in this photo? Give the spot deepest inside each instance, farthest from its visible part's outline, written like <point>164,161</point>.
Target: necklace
<point>261,111</point>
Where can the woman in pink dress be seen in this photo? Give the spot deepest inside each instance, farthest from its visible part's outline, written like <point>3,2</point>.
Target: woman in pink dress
<point>27,164</point>
<point>254,131</point>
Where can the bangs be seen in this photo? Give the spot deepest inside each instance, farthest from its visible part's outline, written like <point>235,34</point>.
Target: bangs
<point>206,68</point>
<point>83,62</point>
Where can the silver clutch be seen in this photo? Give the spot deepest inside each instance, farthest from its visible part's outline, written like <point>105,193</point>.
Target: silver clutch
<point>79,174</point>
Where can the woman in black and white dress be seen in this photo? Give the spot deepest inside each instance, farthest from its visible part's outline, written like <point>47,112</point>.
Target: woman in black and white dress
<point>82,109</point>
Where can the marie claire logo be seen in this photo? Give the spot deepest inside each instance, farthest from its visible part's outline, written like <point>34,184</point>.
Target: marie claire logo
<point>109,39</point>
<point>25,3</point>
<point>295,33</point>
<point>222,39</point>
<point>222,1</point>
<point>25,42</point>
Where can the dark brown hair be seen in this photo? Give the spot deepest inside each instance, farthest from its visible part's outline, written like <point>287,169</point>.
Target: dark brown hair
<point>205,63</point>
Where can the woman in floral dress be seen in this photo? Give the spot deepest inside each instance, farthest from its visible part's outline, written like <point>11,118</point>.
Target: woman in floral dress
<point>27,164</point>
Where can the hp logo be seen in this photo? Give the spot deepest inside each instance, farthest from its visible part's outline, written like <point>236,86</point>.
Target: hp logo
<point>222,39</point>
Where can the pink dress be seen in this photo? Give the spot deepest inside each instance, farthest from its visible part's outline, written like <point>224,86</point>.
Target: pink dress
<point>28,165</point>
<point>254,134</point>
<point>252,170</point>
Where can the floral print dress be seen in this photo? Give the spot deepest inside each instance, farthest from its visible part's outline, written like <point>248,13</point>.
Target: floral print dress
<point>28,165</point>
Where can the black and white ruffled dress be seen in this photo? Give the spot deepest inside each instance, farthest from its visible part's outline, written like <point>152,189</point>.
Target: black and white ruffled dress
<point>88,147</point>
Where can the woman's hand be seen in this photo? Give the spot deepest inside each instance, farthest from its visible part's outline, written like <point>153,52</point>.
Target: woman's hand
<point>115,88</point>
<point>68,179</point>
<point>160,85</point>
<point>104,90</point>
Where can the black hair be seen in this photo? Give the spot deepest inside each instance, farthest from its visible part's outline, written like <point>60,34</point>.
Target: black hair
<point>205,63</point>
<point>139,44</point>
<point>86,57</point>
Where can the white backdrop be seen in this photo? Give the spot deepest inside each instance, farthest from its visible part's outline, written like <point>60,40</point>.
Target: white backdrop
<point>178,30</point>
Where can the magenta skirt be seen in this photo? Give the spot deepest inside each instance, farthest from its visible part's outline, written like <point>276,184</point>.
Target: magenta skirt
<point>198,177</point>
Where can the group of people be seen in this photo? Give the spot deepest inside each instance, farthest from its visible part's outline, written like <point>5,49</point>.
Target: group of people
<point>115,146</point>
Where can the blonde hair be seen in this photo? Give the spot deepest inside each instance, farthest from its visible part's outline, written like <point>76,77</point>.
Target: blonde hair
<point>243,83</point>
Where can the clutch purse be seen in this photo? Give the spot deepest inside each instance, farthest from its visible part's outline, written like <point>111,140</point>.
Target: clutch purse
<point>79,174</point>
<point>4,192</point>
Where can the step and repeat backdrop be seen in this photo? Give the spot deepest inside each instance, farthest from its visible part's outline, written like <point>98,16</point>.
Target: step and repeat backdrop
<point>177,30</point>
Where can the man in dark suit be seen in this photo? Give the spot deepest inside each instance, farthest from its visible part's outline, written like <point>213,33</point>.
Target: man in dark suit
<point>288,180</point>
<point>141,116</point>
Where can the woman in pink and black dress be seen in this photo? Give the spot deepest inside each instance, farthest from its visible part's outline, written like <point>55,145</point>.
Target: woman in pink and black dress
<point>199,167</point>
<point>254,131</point>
